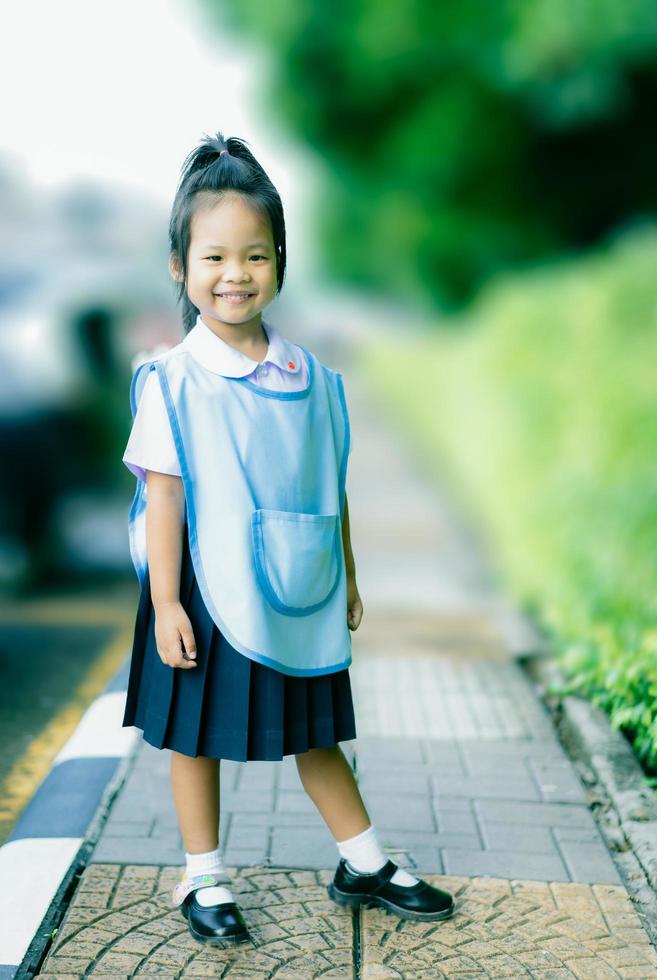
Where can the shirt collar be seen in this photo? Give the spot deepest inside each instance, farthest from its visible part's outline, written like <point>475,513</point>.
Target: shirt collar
<point>217,355</point>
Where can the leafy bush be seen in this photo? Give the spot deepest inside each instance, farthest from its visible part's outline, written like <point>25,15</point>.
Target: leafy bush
<point>455,140</point>
<point>542,412</point>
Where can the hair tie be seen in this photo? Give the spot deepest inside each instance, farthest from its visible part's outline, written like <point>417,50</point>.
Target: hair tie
<point>221,152</point>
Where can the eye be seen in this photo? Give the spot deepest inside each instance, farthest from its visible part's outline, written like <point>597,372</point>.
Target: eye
<point>264,257</point>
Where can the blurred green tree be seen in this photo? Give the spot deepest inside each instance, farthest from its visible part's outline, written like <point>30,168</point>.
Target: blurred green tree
<point>461,138</point>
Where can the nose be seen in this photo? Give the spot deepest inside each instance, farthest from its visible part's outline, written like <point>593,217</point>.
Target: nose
<point>234,271</point>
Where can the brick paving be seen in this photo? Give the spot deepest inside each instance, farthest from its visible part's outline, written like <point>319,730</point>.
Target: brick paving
<point>518,928</point>
<point>120,924</point>
<point>458,763</point>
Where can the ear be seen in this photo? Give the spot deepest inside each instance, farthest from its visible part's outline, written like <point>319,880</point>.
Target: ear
<point>174,267</point>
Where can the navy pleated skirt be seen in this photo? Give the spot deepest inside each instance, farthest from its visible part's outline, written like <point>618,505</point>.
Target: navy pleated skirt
<point>228,707</point>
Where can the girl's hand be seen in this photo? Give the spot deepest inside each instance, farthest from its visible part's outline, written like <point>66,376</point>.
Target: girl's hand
<point>174,636</point>
<point>354,604</point>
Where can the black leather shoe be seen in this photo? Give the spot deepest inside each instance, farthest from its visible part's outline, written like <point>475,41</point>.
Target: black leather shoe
<point>420,901</point>
<point>214,925</point>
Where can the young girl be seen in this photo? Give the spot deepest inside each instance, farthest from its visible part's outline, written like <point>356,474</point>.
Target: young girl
<point>239,533</point>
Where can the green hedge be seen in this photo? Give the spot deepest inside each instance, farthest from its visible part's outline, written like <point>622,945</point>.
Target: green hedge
<point>541,413</point>
<point>515,129</point>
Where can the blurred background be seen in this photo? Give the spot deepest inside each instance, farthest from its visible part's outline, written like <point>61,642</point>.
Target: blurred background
<point>471,185</point>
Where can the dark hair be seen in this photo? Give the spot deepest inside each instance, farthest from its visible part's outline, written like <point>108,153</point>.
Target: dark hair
<point>207,170</point>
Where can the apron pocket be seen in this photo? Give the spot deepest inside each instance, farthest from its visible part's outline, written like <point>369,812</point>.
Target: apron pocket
<point>297,558</point>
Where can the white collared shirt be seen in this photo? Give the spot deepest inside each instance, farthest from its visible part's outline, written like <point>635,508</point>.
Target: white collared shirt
<point>151,445</point>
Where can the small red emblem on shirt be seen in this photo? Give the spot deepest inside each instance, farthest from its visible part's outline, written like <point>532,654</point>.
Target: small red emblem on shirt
<point>291,365</point>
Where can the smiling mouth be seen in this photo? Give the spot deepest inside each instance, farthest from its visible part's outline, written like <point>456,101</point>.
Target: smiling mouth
<point>234,297</point>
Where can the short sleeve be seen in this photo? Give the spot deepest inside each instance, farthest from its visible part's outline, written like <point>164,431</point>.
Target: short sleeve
<point>150,445</point>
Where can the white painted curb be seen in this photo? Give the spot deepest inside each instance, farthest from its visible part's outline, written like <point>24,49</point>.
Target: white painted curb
<point>42,849</point>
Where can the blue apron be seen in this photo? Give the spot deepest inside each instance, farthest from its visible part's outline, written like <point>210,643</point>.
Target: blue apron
<point>264,479</point>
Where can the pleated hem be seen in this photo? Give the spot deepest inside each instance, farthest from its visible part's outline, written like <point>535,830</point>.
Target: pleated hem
<point>229,745</point>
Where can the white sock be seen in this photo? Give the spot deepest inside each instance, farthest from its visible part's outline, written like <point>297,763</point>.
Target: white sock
<point>363,852</point>
<point>203,864</point>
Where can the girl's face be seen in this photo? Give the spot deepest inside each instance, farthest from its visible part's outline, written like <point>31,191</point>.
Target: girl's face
<point>231,265</point>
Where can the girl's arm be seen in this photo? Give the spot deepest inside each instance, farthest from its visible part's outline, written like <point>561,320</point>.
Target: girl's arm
<point>354,602</point>
<point>346,542</point>
<point>164,522</point>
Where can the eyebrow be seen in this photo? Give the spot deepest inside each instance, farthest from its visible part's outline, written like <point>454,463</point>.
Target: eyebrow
<point>250,245</point>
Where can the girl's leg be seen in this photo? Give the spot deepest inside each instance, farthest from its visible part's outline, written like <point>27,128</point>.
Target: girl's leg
<point>329,781</point>
<point>195,785</point>
<point>210,910</point>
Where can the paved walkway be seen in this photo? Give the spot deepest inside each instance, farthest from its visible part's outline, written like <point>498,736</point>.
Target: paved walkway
<point>459,766</point>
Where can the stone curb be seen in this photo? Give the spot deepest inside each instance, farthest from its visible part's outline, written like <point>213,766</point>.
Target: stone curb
<point>587,734</point>
<point>50,843</point>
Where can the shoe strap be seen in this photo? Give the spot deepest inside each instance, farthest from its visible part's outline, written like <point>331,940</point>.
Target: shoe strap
<point>379,878</point>
<point>190,884</point>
